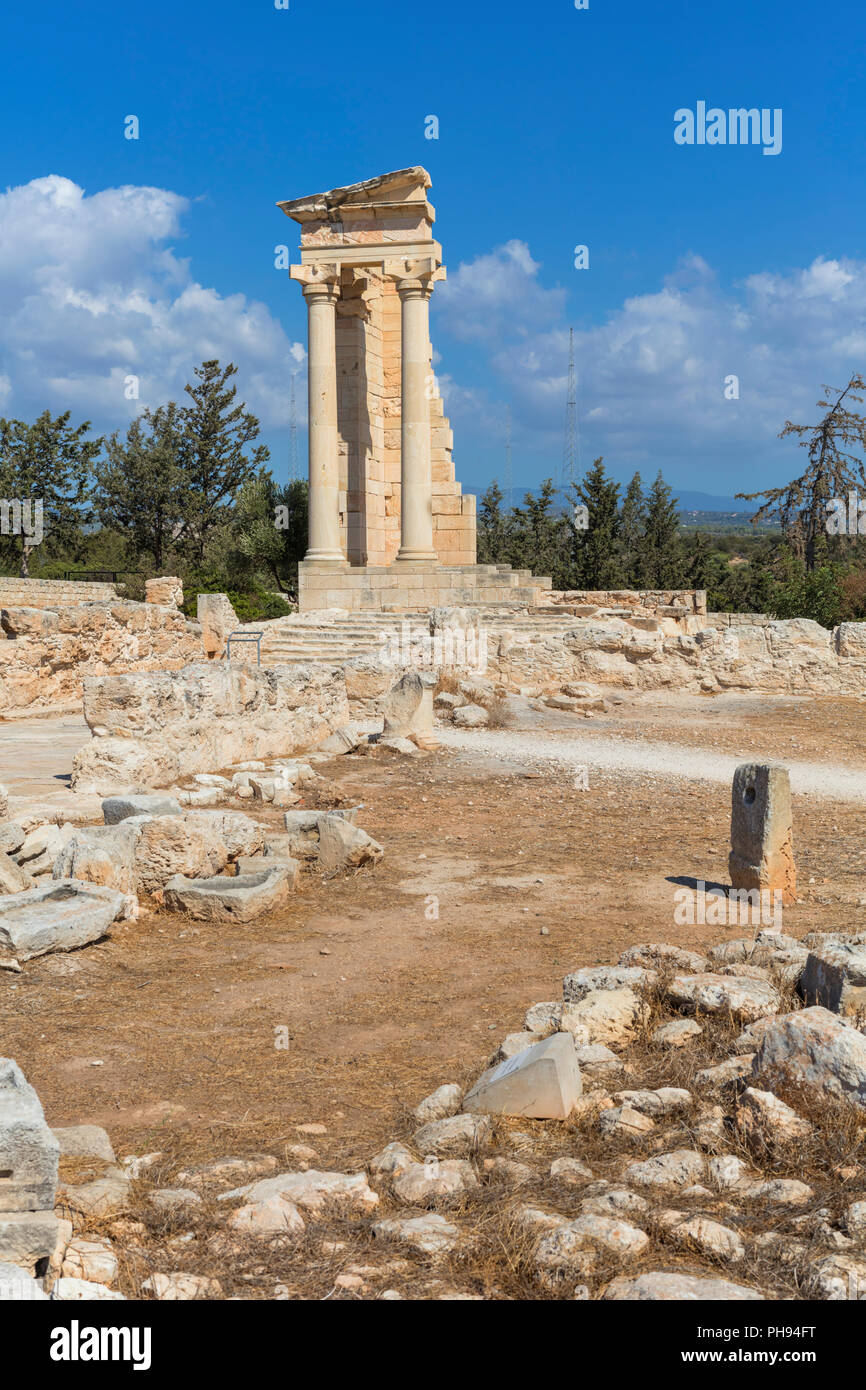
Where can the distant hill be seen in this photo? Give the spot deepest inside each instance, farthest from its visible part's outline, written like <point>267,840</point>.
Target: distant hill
<point>706,502</point>
<point>689,501</point>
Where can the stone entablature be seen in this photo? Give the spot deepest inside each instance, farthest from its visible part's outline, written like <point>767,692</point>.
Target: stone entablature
<point>382,482</point>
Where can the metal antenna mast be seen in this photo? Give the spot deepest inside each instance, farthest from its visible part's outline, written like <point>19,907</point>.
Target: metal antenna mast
<point>508,480</point>
<point>294,471</point>
<point>571,444</point>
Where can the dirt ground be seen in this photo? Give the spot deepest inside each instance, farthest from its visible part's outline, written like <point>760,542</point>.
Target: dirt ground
<point>497,881</point>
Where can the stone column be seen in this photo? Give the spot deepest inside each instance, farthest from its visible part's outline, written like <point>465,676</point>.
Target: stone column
<point>321,290</point>
<point>416,485</point>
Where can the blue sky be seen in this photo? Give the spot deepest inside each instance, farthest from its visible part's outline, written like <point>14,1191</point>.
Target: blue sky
<point>555,129</point>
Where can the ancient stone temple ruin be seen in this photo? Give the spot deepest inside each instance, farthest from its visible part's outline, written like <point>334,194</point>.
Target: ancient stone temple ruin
<point>389,525</point>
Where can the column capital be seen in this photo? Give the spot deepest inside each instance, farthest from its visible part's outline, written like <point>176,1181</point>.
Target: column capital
<point>415,277</point>
<point>321,282</point>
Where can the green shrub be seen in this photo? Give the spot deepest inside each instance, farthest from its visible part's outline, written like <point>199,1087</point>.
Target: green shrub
<point>253,603</point>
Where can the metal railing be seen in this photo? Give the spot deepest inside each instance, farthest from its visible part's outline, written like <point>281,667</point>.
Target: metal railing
<point>239,636</point>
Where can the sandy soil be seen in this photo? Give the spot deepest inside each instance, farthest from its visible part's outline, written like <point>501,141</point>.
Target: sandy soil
<point>166,1032</point>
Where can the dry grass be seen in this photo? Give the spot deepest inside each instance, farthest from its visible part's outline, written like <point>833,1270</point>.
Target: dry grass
<point>499,715</point>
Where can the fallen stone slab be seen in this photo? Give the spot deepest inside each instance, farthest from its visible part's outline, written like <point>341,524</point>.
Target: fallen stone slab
<point>17,1286</point>
<point>406,747</point>
<point>312,1191</point>
<point>74,1290</point>
<point>344,846</point>
<point>439,1105</point>
<point>659,1286</point>
<point>29,1152</point>
<point>13,877</point>
<point>834,977</point>
<point>813,1051</point>
<point>102,854</point>
<point>27,1237</point>
<point>743,998</point>
<point>101,1198</point>
<point>543,1082</point>
<point>408,707</point>
<point>580,983</point>
<point>258,863</point>
<point>420,1183</point>
<point>276,1216</point>
<point>309,820</point>
<point>239,899</point>
<point>431,1234</point>
<point>343,740</point>
<point>680,1168</point>
<point>12,836</point>
<point>608,1016</point>
<point>471,717</point>
<point>458,1136</point>
<point>85,1141</point>
<point>181,1288</point>
<point>43,839</point>
<point>118,808</point>
<point>58,916</point>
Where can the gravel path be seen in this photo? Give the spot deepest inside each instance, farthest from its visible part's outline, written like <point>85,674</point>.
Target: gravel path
<point>671,761</point>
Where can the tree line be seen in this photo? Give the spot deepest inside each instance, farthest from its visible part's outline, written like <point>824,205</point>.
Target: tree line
<point>186,489</point>
<point>600,536</point>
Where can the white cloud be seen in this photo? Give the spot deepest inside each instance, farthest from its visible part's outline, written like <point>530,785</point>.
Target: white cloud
<point>91,292</point>
<point>651,377</point>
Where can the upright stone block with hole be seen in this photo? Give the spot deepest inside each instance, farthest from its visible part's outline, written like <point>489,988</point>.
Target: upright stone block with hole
<point>762,844</point>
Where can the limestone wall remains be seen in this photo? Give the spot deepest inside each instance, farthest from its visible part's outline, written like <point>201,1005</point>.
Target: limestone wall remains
<point>51,593</point>
<point>797,657</point>
<point>152,729</point>
<point>650,601</point>
<point>47,653</point>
